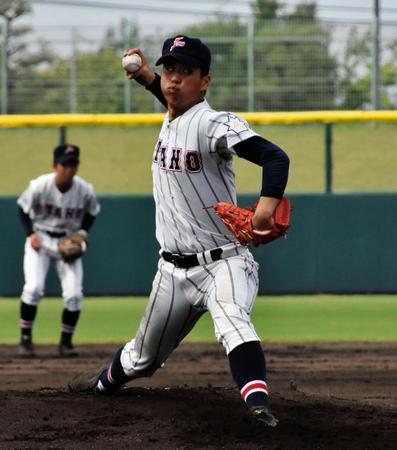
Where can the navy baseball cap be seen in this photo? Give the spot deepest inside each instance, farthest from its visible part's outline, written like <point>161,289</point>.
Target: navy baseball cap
<point>189,51</point>
<point>66,153</point>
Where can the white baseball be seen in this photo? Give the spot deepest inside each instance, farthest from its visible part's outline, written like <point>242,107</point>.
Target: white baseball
<point>132,63</point>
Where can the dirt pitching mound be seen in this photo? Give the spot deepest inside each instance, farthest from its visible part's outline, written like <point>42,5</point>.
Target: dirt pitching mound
<point>326,396</point>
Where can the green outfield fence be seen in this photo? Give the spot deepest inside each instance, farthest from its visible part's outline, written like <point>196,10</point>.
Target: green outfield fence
<point>338,243</point>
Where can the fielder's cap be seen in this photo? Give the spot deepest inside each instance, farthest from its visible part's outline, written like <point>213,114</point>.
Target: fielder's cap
<point>66,153</point>
<point>189,51</point>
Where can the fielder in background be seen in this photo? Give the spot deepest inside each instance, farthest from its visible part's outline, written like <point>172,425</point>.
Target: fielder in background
<point>202,266</point>
<point>56,209</point>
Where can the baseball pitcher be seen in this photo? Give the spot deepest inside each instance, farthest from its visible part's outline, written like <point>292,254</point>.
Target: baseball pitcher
<point>204,265</point>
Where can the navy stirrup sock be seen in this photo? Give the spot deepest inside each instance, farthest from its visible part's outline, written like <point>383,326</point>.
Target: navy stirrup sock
<point>27,316</point>
<point>69,321</point>
<point>248,367</point>
<point>114,377</point>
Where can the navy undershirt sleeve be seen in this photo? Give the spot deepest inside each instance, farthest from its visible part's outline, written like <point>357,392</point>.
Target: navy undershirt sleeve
<point>26,222</point>
<point>87,222</point>
<point>155,89</point>
<point>274,161</point>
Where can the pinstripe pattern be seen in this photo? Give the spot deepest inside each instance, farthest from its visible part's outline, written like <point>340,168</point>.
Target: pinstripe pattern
<point>221,307</point>
<point>148,317</point>
<point>205,176</point>
<point>231,280</point>
<point>202,293</point>
<point>159,218</point>
<point>190,177</point>
<point>226,288</point>
<point>222,338</point>
<point>227,187</point>
<point>209,214</point>
<point>173,219</point>
<point>191,227</point>
<point>197,130</point>
<point>168,318</point>
<point>191,319</point>
<point>185,323</point>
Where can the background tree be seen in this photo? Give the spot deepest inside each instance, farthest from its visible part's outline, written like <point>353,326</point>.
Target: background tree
<point>293,66</point>
<point>22,62</point>
<point>356,73</point>
<point>266,9</point>
<point>96,84</point>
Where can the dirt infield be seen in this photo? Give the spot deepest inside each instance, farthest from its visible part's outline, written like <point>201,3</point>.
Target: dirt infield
<point>334,396</point>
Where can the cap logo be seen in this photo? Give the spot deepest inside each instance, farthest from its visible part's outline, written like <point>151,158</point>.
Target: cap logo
<point>178,42</point>
<point>69,150</point>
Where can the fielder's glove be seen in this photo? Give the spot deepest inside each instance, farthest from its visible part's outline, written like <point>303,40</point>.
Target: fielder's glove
<point>239,222</point>
<point>72,247</point>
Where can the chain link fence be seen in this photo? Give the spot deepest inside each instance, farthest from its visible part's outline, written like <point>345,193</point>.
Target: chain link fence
<point>276,65</point>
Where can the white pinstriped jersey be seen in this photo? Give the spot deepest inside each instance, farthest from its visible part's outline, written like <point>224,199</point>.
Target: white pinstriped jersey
<point>192,169</point>
<point>54,211</point>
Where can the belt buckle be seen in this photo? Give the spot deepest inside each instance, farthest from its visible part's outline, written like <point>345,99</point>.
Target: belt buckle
<point>174,259</point>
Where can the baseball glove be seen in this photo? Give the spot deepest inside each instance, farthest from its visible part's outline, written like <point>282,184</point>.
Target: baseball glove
<point>239,222</point>
<point>72,247</point>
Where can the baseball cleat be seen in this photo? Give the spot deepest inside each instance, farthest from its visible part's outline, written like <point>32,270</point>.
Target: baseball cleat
<point>263,414</point>
<point>26,349</point>
<point>86,383</point>
<point>67,351</point>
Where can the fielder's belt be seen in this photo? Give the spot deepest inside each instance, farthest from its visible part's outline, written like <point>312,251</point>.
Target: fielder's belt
<point>201,259</point>
<point>53,234</point>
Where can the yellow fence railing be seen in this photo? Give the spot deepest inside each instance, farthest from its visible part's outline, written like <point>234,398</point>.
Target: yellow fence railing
<point>260,118</point>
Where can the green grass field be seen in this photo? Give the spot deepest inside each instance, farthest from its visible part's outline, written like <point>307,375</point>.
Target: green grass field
<point>276,318</point>
<point>117,159</point>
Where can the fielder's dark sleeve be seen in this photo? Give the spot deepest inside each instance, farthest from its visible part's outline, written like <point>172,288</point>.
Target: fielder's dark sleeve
<point>26,222</point>
<point>275,163</point>
<point>155,89</point>
<point>87,222</point>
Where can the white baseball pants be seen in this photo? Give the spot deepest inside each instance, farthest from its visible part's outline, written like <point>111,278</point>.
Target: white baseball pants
<point>36,265</point>
<point>226,288</point>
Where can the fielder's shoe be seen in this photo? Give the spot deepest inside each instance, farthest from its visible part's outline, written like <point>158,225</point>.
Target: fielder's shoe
<point>263,414</point>
<point>67,351</point>
<point>86,382</point>
<point>26,349</point>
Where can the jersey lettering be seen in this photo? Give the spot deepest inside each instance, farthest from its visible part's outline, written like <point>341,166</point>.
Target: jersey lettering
<point>162,157</point>
<point>191,158</point>
<point>156,152</point>
<point>175,162</point>
<point>69,213</point>
<point>192,161</point>
<point>60,213</point>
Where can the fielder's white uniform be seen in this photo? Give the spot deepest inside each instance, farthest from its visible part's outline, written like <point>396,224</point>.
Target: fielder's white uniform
<point>55,215</point>
<point>192,169</point>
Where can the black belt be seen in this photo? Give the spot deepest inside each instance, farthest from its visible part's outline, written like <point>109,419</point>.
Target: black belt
<point>187,261</point>
<point>54,234</point>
